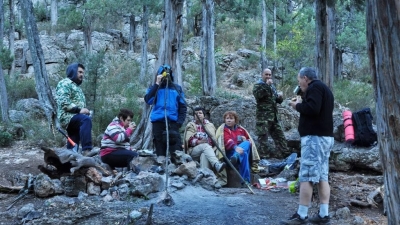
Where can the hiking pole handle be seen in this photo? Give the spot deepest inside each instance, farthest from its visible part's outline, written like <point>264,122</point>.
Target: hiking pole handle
<point>66,136</point>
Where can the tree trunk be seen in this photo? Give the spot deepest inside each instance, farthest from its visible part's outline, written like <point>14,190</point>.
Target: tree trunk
<point>325,41</point>
<point>275,48</point>
<point>170,52</point>
<point>41,79</point>
<point>132,32</point>
<point>264,61</point>
<point>208,76</point>
<point>11,37</point>
<point>3,97</point>
<point>1,23</point>
<point>87,35</point>
<point>189,18</point>
<point>145,38</point>
<point>383,29</point>
<point>53,16</point>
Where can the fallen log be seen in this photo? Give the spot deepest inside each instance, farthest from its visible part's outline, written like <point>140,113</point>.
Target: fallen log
<point>10,189</point>
<point>67,161</point>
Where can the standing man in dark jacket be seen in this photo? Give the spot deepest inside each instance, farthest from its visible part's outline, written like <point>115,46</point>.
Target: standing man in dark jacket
<point>316,132</point>
<point>71,108</point>
<point>267,99</point>
<point>169,105</point>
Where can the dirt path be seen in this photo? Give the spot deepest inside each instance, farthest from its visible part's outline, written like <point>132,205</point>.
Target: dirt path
<point>193,204</point>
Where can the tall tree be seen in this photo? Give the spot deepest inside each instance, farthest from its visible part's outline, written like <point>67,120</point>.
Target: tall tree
<point>1,23</point>
<point>3,97</point>
<point>170,52</point>
<point>383,37</point>
<point>264,29</point>
<point>41,79</point>
<point>11,36</point>
<point>3,90</point>
<point>208,74</point>
<point>145,37</point>
<point>53,16</point>
<point>325,40</point>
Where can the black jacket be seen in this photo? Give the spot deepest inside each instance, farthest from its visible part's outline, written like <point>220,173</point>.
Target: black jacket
<point>316,110</point>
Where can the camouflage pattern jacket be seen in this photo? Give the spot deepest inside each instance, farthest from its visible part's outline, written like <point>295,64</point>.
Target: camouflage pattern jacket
<point>69,96</point>
<point>266,98</point>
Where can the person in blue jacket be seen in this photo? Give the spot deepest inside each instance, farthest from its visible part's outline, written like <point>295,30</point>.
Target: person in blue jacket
<point>169,105</point>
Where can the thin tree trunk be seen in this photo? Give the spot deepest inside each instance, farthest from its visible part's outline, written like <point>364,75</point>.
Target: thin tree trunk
<point>383,39</point>
<point>145,37</point>
<point>1,23</point>
<point>324,42</point>
<point>132,32</point>
<point>275,48</point>
<point>87,35</point>
<point>42,82</point>
<point>189,17</point>
<point>11,38</point>
<point>208,75</point>
<point>53,16</point>
<point>264,30</point>
<point>3,97</point>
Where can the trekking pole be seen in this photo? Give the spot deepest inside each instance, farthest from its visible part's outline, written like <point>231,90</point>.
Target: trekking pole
<point>71,142</point>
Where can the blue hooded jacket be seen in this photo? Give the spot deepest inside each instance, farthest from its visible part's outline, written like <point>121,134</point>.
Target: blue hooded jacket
<point>169,97</point>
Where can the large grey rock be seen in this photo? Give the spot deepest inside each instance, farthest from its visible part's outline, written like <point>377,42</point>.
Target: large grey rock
<point>43,186</point>
<point>17,116</point>
<point>146,183</point>
<point>32,107</point>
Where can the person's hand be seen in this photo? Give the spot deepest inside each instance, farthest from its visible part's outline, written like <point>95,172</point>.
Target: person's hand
<point>132,125</point>
<point>239,150</point>
<point>159,78</point>
<point>295,101</point>
<point>202,141</point>
<point>269,81</point>
<point>85,111</point>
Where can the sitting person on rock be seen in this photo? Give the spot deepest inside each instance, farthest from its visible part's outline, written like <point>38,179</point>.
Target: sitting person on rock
<point>115,147</point>
<point>198,143</point>
<point>239,147</point>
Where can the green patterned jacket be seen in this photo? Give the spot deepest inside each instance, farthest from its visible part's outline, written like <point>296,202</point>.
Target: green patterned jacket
<point>266,109</point>
<point>69,97</point>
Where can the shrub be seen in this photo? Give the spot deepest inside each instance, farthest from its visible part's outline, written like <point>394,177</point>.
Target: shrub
<point>26,89</point>
<point>5,139</point>
<point>5,58</point>
<point>354,95</point>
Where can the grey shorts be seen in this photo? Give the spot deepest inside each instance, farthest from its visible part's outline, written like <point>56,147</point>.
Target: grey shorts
<point>314,162</point>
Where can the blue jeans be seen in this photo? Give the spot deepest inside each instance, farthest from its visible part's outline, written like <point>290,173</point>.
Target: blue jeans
<point>80,131</point>
<point>244,166</point>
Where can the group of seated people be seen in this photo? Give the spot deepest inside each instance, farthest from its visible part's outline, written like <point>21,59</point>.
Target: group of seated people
<point>200,140</point>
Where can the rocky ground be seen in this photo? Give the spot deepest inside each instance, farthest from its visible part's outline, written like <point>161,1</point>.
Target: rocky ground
<point>191,205</point>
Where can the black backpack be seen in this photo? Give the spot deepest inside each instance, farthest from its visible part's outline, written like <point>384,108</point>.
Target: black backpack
<point>364,134</point>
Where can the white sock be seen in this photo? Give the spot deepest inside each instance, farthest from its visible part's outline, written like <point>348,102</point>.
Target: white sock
<point>323,210</point>
<point>302,211</point>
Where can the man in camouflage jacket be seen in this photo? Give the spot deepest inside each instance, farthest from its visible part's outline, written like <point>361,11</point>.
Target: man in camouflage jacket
<point>71,108</point>
<point>266,113</point>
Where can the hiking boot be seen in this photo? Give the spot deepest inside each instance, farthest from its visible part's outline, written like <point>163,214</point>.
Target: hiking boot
<point>295,219</point>
<point>219,166</point>
<point>161,159</point>
<point>317,219</point>
<point>234,159</point>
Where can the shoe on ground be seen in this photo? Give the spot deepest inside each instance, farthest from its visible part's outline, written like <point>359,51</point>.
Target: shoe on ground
<point>317,219</point>
<point>161,159</point>
<point>234,159</point>
<point>295,219</point>
<point>219,166</point>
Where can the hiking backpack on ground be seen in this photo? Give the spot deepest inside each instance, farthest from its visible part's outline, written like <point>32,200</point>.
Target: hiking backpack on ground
<point>364,134</point>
